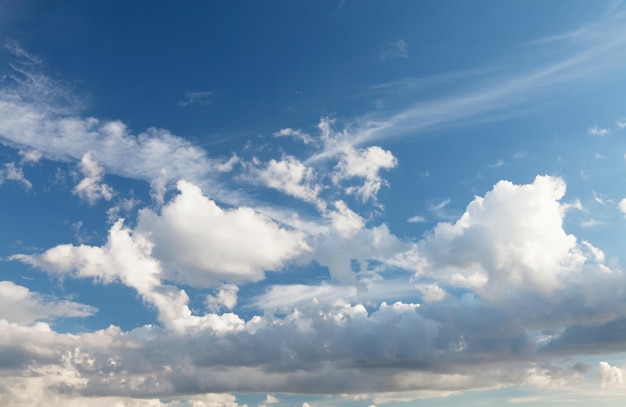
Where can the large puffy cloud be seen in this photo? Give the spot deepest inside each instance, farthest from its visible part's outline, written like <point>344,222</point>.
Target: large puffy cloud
<point>511,238</point>
<point>192,241</point>
<point>200,243</point>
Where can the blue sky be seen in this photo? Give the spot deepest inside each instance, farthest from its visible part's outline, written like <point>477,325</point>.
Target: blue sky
<point>312,203</point>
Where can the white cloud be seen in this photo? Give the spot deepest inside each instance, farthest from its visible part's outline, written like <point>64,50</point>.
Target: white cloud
<point>40,114</point>
<point>497,164</point>
<point>226,297</point>
<point>416,219</point>
<point>195,98</point>
<point>270,399</point>
<point>19,304</point>
<point>200,243</point>
<point>289,175</point>
<point>621,123</point>
<point>296,134</point>
<point>431,292</point>
<point>597,131</point>
<point>611,376</point>
<point>91,188</point>
<point>364,163</point>
<point>622,206</point>
<point>30,157</point>
<point>396,49</point>
<point>512,237</point>
<point>228,165</point>
<point>345,221</point>
<point>14,173</point>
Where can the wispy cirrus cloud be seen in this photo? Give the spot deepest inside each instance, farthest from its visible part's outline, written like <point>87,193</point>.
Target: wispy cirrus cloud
<point>396,49</point>
<point>503,92</point>
<point>195,98</point>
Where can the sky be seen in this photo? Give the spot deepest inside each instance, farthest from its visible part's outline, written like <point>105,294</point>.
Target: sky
<point>328,203</point>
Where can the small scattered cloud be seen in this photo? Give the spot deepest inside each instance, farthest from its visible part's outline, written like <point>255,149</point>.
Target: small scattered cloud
<point>416,219</point>
<point>296,134</point>
<point>621,123</point>
<point>226,298</point>
<point>519,154</point>
<point>14,172</point>
<point>396,49</point>
<point>227,166</point>
<point>497,164</point>
<point>30,156</point>
<point>597,131</point>
<point>439,208</point>
<point>364,163</point>
<point>91,188</point>
<point>195,98</point>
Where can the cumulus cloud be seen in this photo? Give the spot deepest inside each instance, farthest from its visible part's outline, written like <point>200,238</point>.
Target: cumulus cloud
<point>611,376</point>
<point>192,241</point>
<point>200,243</point>
<point>364,163</point>
<point>292,177</point>
<point>226,297</point>
<point>344,220</point>
<point>91,188</point>
<point>512,237</point>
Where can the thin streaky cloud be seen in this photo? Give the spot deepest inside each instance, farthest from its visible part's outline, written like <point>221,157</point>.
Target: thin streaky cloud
<point>600,52</point>
<point>195,98</point>
<point>396,49</point>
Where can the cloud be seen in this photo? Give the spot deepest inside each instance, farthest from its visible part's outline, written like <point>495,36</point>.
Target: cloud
<point>292,177</point>
<point>310,338</point>
<point>20,305</point>
<point>512,237</point>
<point>226,297</point>
<point>13,172</point>
<point>364,163</point>
<point>195,98</point>
<point>345,221</point>
<point>228,165</point>
<point>497,164</point>
<point>200,243</point>
<point>416,219</point>
<point>611,376</point>
<point>498,94</point>
<point>91,188</point>
<point>30,157</point>
<point>396,49</point>
<point>597,131</point>
<point>622,206</point>
<point>40,114</point>
<point>296,134</point>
